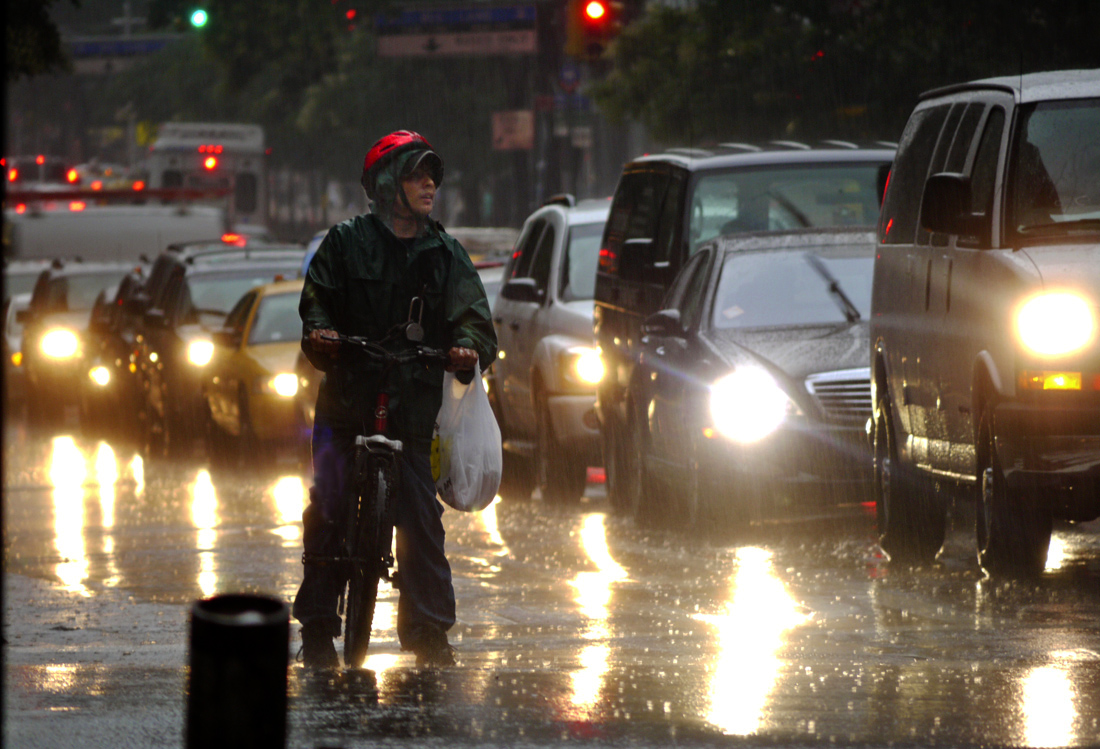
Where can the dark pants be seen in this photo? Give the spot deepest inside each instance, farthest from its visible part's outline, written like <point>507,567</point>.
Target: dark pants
<point>427,598</point>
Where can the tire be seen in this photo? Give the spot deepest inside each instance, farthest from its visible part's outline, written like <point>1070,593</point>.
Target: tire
<point>641,490</point>
<point>370,541</point>
<point>1013,529</point>
<point>912,520</point>
<point>561,477</point>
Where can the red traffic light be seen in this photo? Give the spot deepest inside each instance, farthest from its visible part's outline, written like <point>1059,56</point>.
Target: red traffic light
<point>210,163</point>
<point>595,10</point>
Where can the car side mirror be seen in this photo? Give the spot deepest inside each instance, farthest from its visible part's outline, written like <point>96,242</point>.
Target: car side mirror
<point>664,324</point>
<point>945,207</point>
<point>522,290</point>
<point>226,337</point>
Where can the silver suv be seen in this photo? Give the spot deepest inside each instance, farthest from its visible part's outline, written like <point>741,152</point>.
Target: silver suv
<point>543,383</point>
<point>985,351</point>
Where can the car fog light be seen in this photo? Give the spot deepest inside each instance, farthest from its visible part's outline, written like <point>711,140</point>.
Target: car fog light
<point>748,405</point>
<point>1055,324</point>
<point>100,375</point>
<point>200,353</point>
<point>60,343</point>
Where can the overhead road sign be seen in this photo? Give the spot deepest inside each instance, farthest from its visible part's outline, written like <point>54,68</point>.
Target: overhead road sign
<point>451,31</point>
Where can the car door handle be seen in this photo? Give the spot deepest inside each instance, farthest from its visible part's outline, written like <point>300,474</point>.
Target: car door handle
<point>513,325</point>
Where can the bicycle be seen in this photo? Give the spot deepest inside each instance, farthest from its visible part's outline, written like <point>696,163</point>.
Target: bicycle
<point>368,541</point>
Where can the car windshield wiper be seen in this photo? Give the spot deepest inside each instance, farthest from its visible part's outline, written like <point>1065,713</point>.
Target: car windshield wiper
<point>1057,227</point>
<point>851,312</point>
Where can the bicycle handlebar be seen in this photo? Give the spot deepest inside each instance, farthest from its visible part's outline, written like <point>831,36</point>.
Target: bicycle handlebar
<point>375,351</point>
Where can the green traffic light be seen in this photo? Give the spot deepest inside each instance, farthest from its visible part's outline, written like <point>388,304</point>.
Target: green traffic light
<point>199,18</point>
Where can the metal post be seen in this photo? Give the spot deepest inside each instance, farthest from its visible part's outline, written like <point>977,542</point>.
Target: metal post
<point>238,680</point>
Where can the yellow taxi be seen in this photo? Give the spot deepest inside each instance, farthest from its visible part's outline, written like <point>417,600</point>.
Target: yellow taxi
<point>250,385</point>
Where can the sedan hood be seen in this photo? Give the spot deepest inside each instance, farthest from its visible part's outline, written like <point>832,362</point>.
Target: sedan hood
<point>276,357</point>
<point>74,320</point>
<point>798,352</point>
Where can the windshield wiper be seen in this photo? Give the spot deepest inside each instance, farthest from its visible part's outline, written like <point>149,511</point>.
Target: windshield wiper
<point>851,312</point>
<point>1057,227</point>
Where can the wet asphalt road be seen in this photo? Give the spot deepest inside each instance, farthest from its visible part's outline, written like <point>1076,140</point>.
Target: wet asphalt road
<point>575,627</point>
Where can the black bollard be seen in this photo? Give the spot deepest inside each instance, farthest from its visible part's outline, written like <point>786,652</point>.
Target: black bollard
<point>237,686</point>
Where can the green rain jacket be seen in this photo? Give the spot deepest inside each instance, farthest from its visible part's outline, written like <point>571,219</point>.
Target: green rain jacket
<point>361,283</point>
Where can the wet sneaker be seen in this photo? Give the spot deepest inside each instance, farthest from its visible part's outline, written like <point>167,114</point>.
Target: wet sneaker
<point>434,650</point>
<point>318,652</point>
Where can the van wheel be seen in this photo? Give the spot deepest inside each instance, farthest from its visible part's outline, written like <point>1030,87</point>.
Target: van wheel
<point>912,521</point>
<point>561,478</point>
<point>1013,529</point>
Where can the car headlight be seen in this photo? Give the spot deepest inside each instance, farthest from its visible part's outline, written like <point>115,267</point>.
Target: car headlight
<point>584,364</point>
<point>100,375</point>
<point>200,352</point>
<point>60,343</point>
<point>1055,324</point>
<point>284,384</point>
<point>748,405</point>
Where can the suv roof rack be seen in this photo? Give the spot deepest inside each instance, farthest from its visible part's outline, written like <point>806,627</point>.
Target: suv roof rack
<point>791,144</point>
<point>739,147</point>
<point>691,153</point>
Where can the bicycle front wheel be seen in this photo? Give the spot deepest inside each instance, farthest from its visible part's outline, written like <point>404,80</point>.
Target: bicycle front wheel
<point>367,556</point>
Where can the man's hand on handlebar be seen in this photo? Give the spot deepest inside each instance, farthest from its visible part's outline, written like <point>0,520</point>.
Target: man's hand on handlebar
<point>324,341</point>
<point>459,358</point>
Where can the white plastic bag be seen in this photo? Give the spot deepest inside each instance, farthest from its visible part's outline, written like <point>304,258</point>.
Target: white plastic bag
<point>466,452</point>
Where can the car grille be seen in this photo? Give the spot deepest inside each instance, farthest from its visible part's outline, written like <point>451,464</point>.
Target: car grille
<point>844,396</point>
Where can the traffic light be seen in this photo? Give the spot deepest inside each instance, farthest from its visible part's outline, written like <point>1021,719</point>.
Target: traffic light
<point>590,27</point>
<point>199,17</point>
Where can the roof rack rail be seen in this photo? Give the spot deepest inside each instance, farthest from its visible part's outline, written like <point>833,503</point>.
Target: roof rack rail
<point>691,153</point>
<point>739,147</point>
<point>790,144</point>
<point>886,143</point>
<point>566,199</point>
<point>841,143</point>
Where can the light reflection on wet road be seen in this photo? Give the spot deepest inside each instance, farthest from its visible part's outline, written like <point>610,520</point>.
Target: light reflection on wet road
<point>573,624</point>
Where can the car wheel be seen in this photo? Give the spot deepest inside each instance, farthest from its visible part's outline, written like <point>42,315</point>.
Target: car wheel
<point>1013,529</point>
<point>912,521</point>
<point>641,490</point>
<point>561,478</point>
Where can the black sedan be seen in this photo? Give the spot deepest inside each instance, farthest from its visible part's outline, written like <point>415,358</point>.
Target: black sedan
<point>752,383</point>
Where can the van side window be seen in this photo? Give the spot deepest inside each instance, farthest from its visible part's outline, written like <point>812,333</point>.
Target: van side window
<point>898,224</point>
<point>634,215</point>
<point>663,248</point>
<point>954,146</point>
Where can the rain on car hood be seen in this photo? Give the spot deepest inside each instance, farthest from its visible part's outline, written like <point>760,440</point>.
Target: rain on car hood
<point>799,351</point>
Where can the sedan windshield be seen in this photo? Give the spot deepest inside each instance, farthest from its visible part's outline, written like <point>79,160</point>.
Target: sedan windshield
<point>277,320</point>
<point>777,289</point>
<point>1056,175</point>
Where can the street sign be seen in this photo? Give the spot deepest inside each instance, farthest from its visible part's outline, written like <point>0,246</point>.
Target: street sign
<point>454,31</point>
<point>514,130</point>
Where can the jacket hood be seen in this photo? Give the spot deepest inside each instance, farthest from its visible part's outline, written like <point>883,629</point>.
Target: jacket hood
<point>388,183</point>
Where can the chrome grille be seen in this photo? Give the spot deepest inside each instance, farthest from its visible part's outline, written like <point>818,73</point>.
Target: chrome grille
<point>844,395</point>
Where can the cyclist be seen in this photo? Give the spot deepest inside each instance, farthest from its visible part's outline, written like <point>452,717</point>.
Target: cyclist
<point>370,274</point>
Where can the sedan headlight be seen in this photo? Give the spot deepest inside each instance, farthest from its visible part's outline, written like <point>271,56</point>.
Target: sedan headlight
<point>1055,324</point>
<point>584,364</point>
<point>100,375</point>
<point>60,343</point>
<point>200,352</point>
<point>284,384</point>
<point>747,405</point>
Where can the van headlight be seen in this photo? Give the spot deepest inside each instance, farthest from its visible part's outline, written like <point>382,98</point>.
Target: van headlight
<point>200,352</point>
<point>284,384</point>
<point>584,364</point>
<point>1055,323</point>
<point>748,405</point>
<point>60,343</point>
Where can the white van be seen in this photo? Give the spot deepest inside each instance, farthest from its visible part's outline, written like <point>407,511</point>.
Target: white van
<point>105,233</point>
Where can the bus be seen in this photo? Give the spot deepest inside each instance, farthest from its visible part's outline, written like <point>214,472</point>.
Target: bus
<point>218,156</point>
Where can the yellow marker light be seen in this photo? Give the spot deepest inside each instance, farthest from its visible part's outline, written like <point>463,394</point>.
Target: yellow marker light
<point>588,365</point>
<point>1055,324</point>
<point>200,353</point>
<point>285,384</point>
<point>1050,380</point>
<point>100,375</point>
<point>60,343</point>
<point>17,358</point>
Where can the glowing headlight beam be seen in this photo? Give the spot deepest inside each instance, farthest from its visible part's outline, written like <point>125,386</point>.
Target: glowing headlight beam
<point>1055,324</point>
<point>100,375</point>
<point>60,343</point>
<point>589,365</point>
<point>285,384</point>
<point>200,353</point>
<point>747,405</point>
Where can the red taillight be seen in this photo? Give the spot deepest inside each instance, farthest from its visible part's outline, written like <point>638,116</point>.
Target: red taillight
<point>77,205</point>
<point>13,174</point>
<point>40,159</point>
<point>72,176</point>
<point>21,208</point>
<point>236,239</point>
<point>97,185</point>
<point>139,185</point>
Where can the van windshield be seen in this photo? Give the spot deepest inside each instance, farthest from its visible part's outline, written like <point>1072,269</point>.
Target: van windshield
<point>1056,167</point>
<point>779,198</point>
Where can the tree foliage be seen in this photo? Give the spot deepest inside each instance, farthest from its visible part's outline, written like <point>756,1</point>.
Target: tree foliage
<point>33,42</point>
<point>740,69</point>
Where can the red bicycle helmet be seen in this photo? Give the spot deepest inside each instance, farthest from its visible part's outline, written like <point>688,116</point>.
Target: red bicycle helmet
<point>393,144</point>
